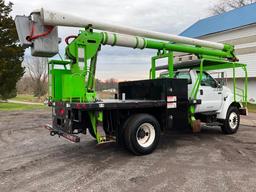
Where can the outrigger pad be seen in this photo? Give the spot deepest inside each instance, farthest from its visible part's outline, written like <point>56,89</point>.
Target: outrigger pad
<point>196,126</point>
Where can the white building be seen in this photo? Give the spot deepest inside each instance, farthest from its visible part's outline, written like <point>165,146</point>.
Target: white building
<point>236,27</point>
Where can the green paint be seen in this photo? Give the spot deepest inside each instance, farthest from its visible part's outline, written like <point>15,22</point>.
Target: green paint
<point>234,83</point>
<point>97,117</point>
<point>161,55</point>
<point>188,49</point>
<point>153,68</point>
<point>170,65</point>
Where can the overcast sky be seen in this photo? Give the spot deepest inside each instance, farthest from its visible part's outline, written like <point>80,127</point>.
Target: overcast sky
<point>169,16</point>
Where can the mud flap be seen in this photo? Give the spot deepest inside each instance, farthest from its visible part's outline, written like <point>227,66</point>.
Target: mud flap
<point>196,126</point>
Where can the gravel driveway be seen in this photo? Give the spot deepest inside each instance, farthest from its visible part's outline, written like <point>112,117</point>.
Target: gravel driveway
<point>31,160</point>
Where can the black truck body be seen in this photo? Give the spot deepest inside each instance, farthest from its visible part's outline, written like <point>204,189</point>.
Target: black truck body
<point>165,99</point>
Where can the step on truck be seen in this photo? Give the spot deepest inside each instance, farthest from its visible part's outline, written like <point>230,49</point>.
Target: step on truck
<point>179,96</point>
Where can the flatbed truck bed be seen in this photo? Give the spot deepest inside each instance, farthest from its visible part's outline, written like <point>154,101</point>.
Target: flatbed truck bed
<point>163,99</point>
<point>109,104</point>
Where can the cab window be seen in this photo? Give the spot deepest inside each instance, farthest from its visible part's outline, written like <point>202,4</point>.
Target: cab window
<point>183,75</point>
<point>207,80</point>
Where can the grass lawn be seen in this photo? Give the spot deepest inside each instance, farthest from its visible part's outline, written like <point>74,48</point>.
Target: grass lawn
<point>15,106</point>
<point>28,98</point>
<point>24,97</point>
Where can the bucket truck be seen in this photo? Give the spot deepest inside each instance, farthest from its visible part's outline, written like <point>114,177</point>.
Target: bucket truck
<point>181,98</point>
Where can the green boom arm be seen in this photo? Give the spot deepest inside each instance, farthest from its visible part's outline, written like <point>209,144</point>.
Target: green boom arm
<point>82,53</point>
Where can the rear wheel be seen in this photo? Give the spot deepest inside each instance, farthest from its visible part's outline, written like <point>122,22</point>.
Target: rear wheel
<point>232,121</point>
<point>142,134</point>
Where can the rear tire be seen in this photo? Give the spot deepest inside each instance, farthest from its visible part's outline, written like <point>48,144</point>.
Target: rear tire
<point>232,121</point>
<point>142,134</point>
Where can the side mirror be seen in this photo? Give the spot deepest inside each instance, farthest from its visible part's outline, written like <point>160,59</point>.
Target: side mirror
<point>221,82</point>
<point>219,85</point>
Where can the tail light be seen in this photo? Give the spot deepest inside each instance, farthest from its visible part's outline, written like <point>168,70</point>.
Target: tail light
<point>61,112</point>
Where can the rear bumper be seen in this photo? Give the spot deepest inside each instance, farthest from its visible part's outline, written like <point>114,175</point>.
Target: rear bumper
<point>55,131</point>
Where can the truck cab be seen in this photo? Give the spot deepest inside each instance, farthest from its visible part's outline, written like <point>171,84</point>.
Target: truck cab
<point>217,105</point>
<point>210,91</point>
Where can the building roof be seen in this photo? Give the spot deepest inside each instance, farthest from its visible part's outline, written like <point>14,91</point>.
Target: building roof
<point>230,20</point>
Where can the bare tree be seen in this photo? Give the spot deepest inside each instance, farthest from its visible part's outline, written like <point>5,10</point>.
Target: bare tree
<point>37,70</point>
<point>107,84</point>
<point>226,5</point>
<point>25,85</point>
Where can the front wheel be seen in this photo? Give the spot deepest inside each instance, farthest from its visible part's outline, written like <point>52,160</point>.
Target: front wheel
<point>142,134</point>
<point>232,121</point>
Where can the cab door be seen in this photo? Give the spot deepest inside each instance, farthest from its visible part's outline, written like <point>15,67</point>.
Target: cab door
<point>210,94</point>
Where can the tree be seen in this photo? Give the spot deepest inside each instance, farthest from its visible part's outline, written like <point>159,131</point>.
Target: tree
<point>226,5</point>
<point>11,54</point>
<point>107,84</point>
<point>37,69</point>
<point>25,85</point>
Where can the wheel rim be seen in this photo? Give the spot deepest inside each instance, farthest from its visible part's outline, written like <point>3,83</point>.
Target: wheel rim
<point>233,120</point>
<point>145,135</point>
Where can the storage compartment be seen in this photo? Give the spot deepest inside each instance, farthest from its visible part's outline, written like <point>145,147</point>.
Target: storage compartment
<point>173,91</point>
<point>73,86</point>
<point>157,89</point>
<point>55,83</point>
